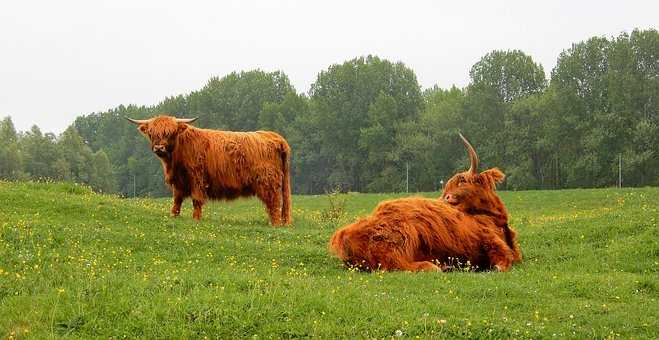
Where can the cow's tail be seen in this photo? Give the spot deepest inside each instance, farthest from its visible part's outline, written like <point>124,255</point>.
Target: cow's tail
<point>511,239</point>
<point>286,185</point>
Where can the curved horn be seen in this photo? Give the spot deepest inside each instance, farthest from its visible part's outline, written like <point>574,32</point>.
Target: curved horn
<point>473,157</point>
<point>137,121</point>
<point>186,120</point>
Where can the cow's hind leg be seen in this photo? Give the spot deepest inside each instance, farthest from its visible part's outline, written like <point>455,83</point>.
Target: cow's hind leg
<point>197,204</point>
<point>272,199</point>
<point>425,266</point>
<point>390,258</point>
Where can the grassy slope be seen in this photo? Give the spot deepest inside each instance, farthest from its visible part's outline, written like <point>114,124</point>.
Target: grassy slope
<point>79,264</point>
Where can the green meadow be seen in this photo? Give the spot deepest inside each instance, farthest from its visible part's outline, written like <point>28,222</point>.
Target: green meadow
<point>77,264</point>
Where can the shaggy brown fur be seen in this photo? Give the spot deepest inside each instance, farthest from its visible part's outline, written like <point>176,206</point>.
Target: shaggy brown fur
<point>222,165</point>
<point>468,225</point>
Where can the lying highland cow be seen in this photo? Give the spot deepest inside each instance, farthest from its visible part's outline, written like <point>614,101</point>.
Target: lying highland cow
<point>469,224</point>
<point>211,164</point>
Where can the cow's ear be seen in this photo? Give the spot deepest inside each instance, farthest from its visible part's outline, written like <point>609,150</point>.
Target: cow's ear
<point>494,175</point>
<point>181,127</point>
<point>142,128</point>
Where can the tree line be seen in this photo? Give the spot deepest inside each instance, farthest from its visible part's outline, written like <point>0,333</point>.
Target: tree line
<point>38,156</point>
<point>367,125</point>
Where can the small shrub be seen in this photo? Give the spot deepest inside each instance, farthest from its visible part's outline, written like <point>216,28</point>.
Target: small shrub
<point>336,210</point>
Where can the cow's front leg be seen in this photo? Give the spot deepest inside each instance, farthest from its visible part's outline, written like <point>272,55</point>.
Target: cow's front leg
<point>500,255</point>
<point>178,200</point>
<point>198,194</point>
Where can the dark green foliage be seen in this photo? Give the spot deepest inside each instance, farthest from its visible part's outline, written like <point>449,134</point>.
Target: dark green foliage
<point>357,108</point>
<point>40,153</point>
<point>33,155</point>
<point>509,74</point>
<point>102,178</point>
<point>606,93</point>
<point>10,157</point>
<point>366,126</point>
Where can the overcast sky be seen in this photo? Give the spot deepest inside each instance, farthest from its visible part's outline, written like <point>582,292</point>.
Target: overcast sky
<point>62,59</point>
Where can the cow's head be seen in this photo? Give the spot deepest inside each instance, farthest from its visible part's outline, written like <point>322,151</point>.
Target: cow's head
<point>162,132</point>
<point>474,192</point>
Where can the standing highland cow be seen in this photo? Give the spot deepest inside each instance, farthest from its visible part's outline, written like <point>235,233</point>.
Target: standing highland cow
<point>469,224</point>
<point>223,165</point>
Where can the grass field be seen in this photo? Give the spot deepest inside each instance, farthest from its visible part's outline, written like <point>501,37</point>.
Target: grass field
<point>78,264</point>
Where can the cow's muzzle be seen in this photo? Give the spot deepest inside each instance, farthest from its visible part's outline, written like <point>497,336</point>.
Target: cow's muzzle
<point>451,199</point>
<point>160,150</point>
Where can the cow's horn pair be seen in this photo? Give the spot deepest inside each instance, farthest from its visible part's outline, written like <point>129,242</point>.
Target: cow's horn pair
<point>473,157</point>
<point>144,121</point>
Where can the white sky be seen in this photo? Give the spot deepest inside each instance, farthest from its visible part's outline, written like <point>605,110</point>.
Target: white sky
<point>62,59</point>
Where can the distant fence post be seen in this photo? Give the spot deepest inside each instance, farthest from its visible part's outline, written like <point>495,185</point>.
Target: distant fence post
<point>620,171</point>
<point>407,177</point>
